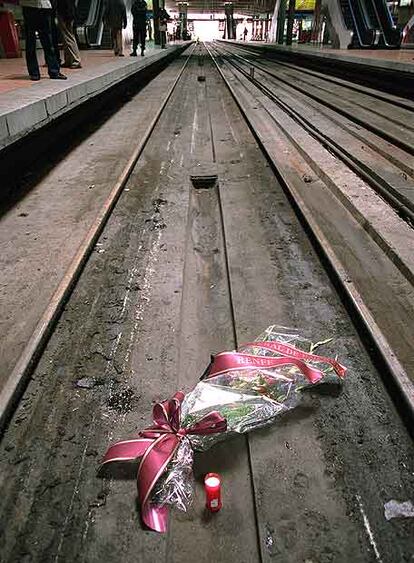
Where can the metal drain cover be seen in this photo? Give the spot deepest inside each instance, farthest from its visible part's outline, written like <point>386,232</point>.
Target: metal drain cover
<point>204,176</point>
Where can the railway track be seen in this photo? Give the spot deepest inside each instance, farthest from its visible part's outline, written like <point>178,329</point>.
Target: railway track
<point>371,132</point>
<point>295,134</point>
<point>169,273</point>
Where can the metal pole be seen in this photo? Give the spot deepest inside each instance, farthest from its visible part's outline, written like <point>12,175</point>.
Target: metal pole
<point>228,10</point>
<point>155,11</point>
<point>317,21</point>
<point>281,22</point>
<point>182,9</point>
<point>291,17</point>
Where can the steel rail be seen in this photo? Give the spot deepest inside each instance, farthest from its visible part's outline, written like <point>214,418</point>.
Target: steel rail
<point>360,89</point>
<point>18,379</point>
<point>400,378</point>
<point>381,133</point>
<point>401,205</point>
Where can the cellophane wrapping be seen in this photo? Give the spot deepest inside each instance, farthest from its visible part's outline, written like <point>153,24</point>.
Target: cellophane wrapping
<point>249,399</point>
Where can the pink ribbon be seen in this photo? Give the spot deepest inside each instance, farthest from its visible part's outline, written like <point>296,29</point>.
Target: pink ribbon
<point>156,447</point>
<point>229,361</point>
<point>293,352</point>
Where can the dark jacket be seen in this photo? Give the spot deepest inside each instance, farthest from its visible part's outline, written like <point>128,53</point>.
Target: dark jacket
<point>163,16</point>
<point>66,9</point>
<point>115,14</point>
<point>139,13</point>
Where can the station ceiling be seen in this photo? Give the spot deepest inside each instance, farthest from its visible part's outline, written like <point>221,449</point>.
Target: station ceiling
<point>245,7</point>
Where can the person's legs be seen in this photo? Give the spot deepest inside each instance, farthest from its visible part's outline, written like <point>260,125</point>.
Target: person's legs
<point>29,16</point>
<point>119,42</point>
<point>114,39</point>
<point>45,36</point>
<point>71,49</point>
<point>142,35</point>
<point>55,34</point>
<point>135,38</point>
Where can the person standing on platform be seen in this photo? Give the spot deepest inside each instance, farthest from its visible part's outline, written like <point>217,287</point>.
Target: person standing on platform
<point>164,18</point>
<point>66,17</point>
<point>139,26</point>
<point>245,32</point>
<point>37,16</point>
<point>116,19</point>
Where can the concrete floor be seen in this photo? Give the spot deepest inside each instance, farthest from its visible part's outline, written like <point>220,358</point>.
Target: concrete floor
<point>13,72</point>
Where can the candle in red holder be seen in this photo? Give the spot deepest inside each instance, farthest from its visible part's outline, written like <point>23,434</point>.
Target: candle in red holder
<point>212,485</point>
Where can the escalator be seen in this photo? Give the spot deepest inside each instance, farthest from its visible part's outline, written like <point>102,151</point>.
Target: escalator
<point>89,22</point>
<point>356,18</point>
<point>391,36</point>
<point>367,22</point>
<point>371,19</point>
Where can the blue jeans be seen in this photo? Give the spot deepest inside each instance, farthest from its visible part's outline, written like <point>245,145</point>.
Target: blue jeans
<point>39,19</point>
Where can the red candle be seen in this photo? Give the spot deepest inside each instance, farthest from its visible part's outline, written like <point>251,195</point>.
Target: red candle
<point>212,485</point>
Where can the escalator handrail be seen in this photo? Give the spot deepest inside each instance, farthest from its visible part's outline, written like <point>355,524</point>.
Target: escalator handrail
<point>93,20</point>
<point>366,36</point>
<point>371,19</point>
<point>93,15</point>
<point>391,35</point>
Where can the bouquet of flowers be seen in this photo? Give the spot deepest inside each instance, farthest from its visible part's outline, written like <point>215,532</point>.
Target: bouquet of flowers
<point>240,391</point>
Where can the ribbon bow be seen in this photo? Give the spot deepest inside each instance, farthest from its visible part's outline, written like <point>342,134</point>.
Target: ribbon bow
<point>156,447</point>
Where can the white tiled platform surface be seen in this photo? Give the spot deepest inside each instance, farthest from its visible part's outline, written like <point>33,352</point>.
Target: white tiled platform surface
<point>26,106</point>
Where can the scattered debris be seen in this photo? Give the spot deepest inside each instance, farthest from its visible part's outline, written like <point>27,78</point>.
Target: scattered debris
<point>122,401</point>
<point>157,203</point>
<point>307,179</point>
<point>89,382</point>
<point>99,501</point>
<point>134,287</point>
<point>396,509</point>
<point>270,541</point>
<point>156,224</point>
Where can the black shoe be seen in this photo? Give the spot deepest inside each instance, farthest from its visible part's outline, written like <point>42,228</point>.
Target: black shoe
<point>34,77</point>
<point>142,52</point>
<point>71,65</point>
<point>59,76</point>
<point>133,54</point>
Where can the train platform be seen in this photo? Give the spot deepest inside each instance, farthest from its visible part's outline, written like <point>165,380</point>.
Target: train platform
<point>27,106</point>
